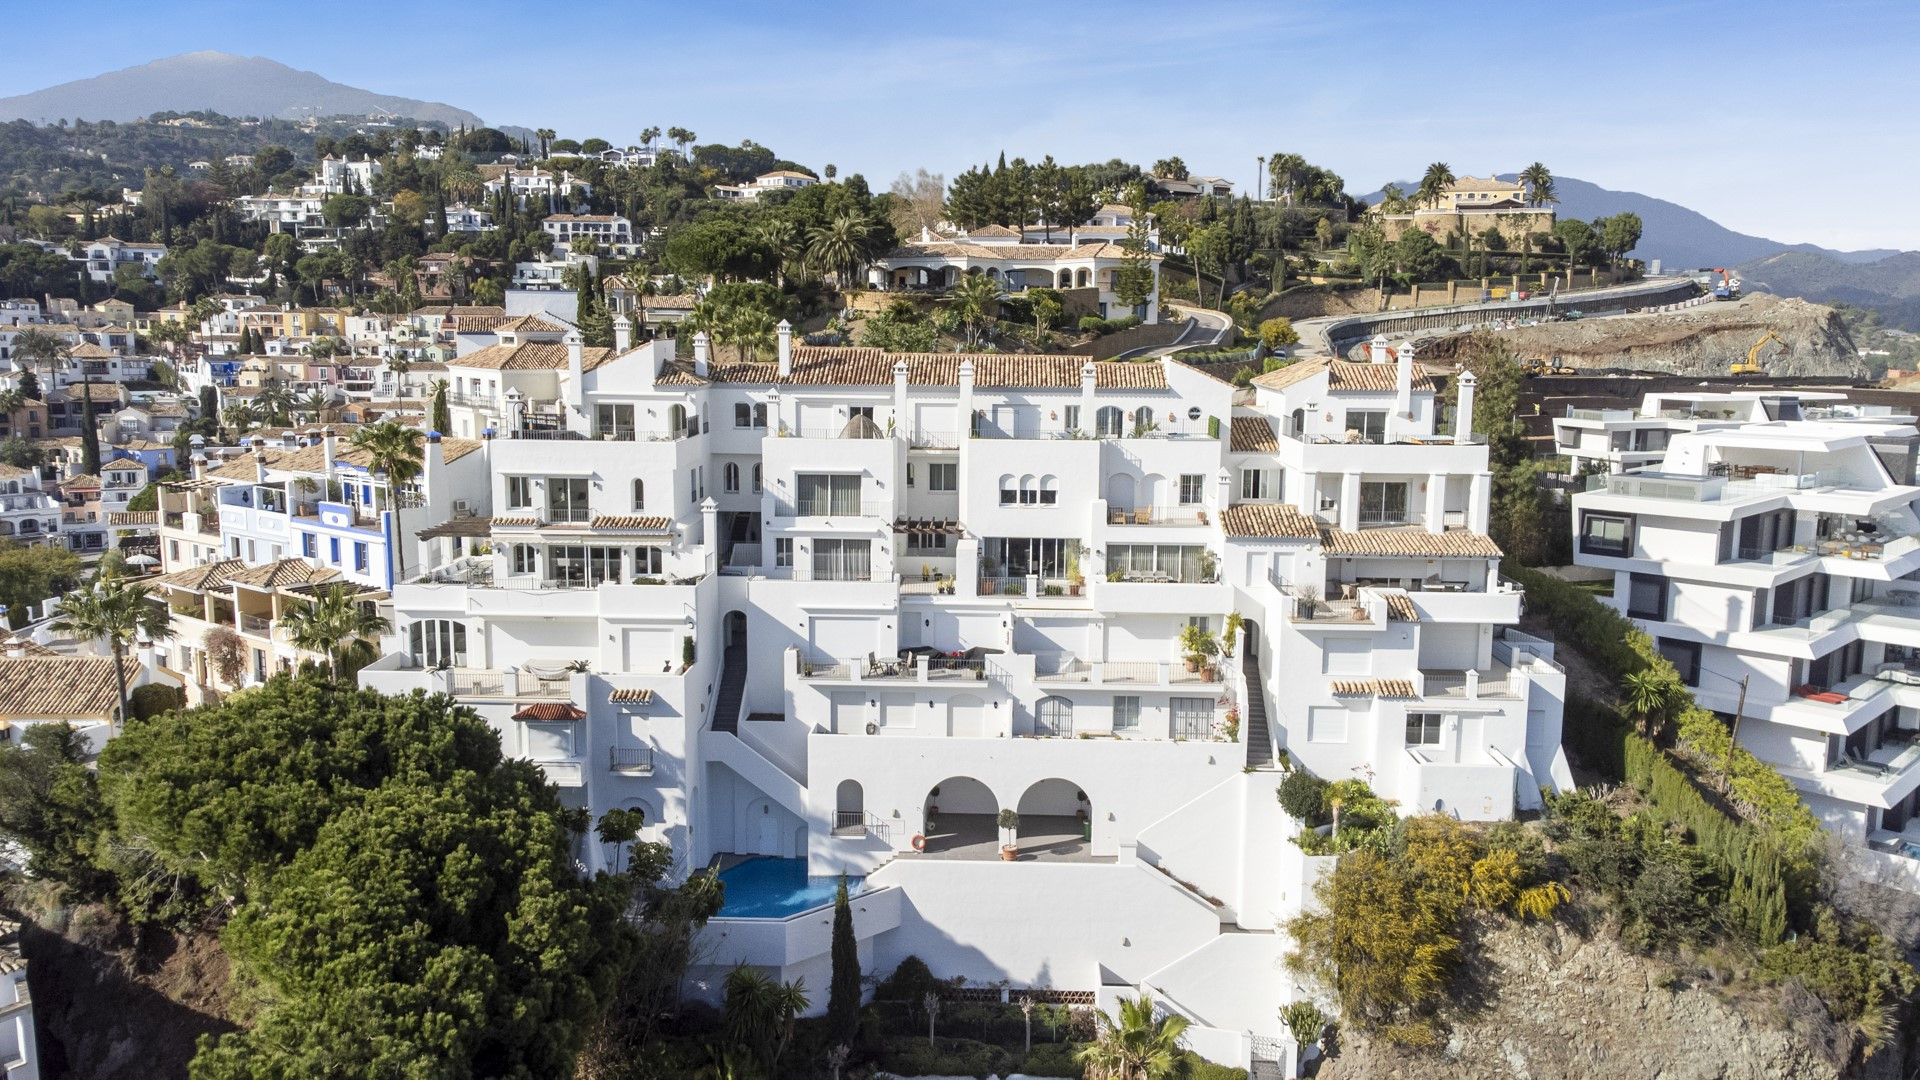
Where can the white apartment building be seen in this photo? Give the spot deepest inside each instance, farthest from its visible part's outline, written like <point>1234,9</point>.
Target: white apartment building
<point>778,180</point>
<point>606,230</point>
<point>1770,560</point>
<point>29,514</point>
<point>935,264</point>
<point>1618,440</point>
<point>835,608</point>
<point>107,254</point>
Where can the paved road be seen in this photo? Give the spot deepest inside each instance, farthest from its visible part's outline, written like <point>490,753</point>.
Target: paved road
<point>1204,327</point>
<point>1314,332</point>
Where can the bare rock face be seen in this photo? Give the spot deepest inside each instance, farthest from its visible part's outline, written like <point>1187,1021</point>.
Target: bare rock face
<point>1701,340</point>
<point>1560,1007</point>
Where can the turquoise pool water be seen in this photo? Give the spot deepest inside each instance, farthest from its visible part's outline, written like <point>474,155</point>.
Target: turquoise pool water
<point>768,888</point>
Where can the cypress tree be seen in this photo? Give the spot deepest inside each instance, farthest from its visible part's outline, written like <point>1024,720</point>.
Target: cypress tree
<point>843,999</point>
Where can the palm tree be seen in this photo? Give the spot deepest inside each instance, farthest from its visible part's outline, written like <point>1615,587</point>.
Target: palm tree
<point>120,611</point>
<point>314,405</point>
<point>33,345</point>
<point>751,329</point>
<point>759,1013</point>
<point>273,402</point>
<point>1434,184</point>
<point>1648,694</point>
<point>545,135</point>
<point>976,304</point>
<point>333,624</point>
<point>238,416</point>
<point>395,452</point>
<point>1539,184</point>
<point>1136,1046</point>
<point>781,239</point>
<point>648,135</point>
<point>840,246</point>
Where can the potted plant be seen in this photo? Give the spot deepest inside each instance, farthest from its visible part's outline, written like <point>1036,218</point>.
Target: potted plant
<point>1234,623</point>
<point>1075,580</point>
<point>1116,574</point>
<point>1209,564</point>
<point>1009,822</point>
<point>1080,796</point>
<point>1197,645</point>
<point>926,572</point>
<point>1307,600</point>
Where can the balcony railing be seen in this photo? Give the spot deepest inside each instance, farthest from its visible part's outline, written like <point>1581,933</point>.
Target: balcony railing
<point>479,684</point>
<point>936,440</point>
<point>257,625</point>
<point>637,760</point>
<point>823,508</point>
<point>1182,514</point>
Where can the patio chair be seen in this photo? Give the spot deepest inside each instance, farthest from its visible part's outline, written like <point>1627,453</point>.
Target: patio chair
<point>1142,516</point>
<point>1116,517</point>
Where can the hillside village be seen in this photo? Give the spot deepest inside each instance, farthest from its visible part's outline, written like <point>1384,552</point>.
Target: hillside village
<point>890,617</point>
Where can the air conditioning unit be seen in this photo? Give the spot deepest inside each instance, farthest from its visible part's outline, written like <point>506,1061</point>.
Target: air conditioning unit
<point>461,508</point>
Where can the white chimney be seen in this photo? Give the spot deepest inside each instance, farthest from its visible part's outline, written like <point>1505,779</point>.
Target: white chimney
<point>786,348</point>
<point>1377,349</point>
<point>1403,380</point>
<point>576,371</point>
<point>259,464</point>
<point>199,466</point>
<point>622,335</point>
<point>329,445</point>
<point>700,354</point>
<point>1463,412</point>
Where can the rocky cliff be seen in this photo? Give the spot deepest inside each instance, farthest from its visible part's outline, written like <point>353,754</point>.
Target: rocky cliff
<point>1558,1006</point>
<point>1702,340</point>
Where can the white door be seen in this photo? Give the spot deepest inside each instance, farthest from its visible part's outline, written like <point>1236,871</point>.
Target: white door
<point>766,834</point>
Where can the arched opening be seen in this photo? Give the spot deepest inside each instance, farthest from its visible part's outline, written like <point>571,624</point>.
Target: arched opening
<point>734,630</point>
<point>1108,420</point>
<point>677,420</point>
<point>731,477</point>
<point>957,819</point>
<point>1083,277</point>
<point>1056,820</point>
<point>849,809</point>
<point>1120,492</point>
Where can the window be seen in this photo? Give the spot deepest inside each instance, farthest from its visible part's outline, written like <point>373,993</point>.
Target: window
<point>909,474</point>
<point>520,493</point>
<point>1049,491</point>
<point>647,561</point>
<point>1423,729</point>
<point>1126,713</point>
<point>309,546</point>
<point>1684,656</point>
<point>1143,420</point>
<point>1072,413</point>
<point>567,498</point>
<point>1109,419</point>
<point>579,565</point>
<point>748,415</point>
<point>438,642</point>
<point>827,493</point>
<point>783,552</point>
<point>639,494</point>
<point>730,477</point>
<point>1009,494</point>
<point>1160,562</point>
<point>360,556</point>
<point>1053,716</point>
<point>1253,484</point>
<point>1370,424</point>
<point>615,421</point>
<point>756,478</point>
<point>1327,724</point>
<point>1193,489</point>
<point>173,546</point>
<point>842,560</point>
<point>1192,717</point>
<point>926,541</point>
<point>1647,597</point>
<point>1606,534</point>
<point>525,559</point>
<point>943,477</point>
<point>1383,503</point>
<point>333,550</point>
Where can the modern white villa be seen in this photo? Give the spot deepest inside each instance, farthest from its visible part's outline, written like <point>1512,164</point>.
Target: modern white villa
<point>1771,558</point>
<point>834,612</point>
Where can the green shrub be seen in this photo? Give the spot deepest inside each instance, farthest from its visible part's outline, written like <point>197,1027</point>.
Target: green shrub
<point>1304,797</point>
<point>153,699</point>
<point>1052,1059</point>
<point>908,1055</point>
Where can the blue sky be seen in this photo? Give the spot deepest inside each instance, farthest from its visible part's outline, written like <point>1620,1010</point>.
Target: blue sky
<point>1792,120</point>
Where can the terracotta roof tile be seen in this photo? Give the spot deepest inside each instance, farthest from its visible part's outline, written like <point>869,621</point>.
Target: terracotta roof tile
<point>632,695</point>
<point>529,324</point>
<point>42,687</point>
<point>1253,435</point>
<point>648,524</point>
<point>1387,688</point>
<point>530,356</point>
<point>313,459</point>
<point>84,480</point>
<point>1411,541</point>
<point>1400,608</point>
<point>550,712</point>
<point>204,577</point>
<point>134,517</point>
<point>1268,520</point>
<point>848,365</point>
<point>284,572</point>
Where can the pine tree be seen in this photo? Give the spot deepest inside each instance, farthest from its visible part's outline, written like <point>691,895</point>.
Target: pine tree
<point>843,998</point>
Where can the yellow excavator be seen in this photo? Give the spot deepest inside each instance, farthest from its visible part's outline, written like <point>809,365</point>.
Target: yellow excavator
<point>1539,365</point>
<point>1752,365</point>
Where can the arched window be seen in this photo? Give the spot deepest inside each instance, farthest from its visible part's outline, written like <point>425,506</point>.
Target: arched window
<point>1143,420</point>
<point>756,478</point>
<point>1053,716</point>
<point>730,476</point>
<point>1009,494</point>
<point>438,643</point>
<point>1085,278</point>
<point>677,420</point>
<point>849,808</point>
<point>1109,419</point>
<point>1029,491</point>
<point>1049,491</point>
<point>639,494</point>
<point>760,415</point>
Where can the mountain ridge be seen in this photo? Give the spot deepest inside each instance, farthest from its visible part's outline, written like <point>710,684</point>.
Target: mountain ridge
<point>225,83</point>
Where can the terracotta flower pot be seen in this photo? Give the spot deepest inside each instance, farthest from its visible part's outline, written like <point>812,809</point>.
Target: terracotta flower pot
<point>1009,853</point>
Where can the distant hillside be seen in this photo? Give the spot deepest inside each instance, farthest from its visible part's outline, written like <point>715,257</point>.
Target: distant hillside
<point>1890,285</point>
<point>219,82</point>
<point>1675,235</point>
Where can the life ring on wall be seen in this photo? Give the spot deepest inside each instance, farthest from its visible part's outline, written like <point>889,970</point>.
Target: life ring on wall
<point>919,842</point>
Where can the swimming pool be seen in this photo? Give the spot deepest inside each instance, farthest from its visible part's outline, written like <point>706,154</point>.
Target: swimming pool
<point>769,888</point>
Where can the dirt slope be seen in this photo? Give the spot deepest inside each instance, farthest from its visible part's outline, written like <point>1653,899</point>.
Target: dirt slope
<point>1701,340</point>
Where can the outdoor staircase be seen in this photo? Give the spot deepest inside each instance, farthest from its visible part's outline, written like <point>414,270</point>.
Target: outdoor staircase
<point>1259,736</point>
<point>733,688</point>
